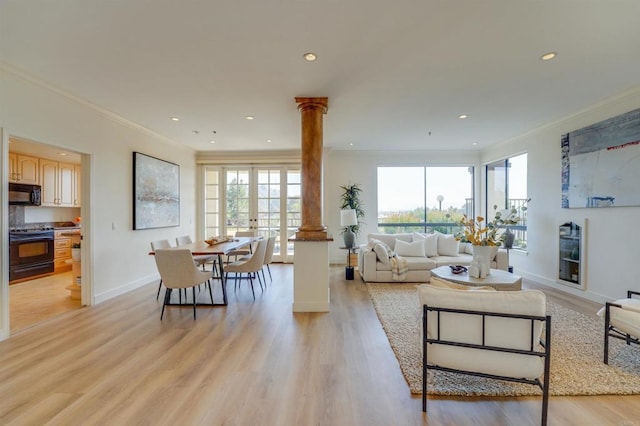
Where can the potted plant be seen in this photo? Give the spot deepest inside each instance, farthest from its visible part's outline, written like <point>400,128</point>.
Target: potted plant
<point>350,199</point>
<point>75,252</point>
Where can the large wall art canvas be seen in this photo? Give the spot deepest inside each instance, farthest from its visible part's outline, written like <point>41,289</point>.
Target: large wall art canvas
<point>601,163</point>
<point>156,192</point>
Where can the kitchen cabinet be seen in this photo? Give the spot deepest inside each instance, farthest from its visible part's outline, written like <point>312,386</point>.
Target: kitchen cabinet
<point>60,184</point>
<point>24,169</point>
<point>571,254</point>
<point>62,251</point>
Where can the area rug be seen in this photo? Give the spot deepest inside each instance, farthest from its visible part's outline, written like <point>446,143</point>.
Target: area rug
<point>576,352</point>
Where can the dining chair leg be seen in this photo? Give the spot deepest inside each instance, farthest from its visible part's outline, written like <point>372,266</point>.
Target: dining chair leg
<point>269,269</point>
<point>263,277</point>
<point>210,292</point>
<point>259,280</point>
<point>167,297</point>
<point>252,292</point>
<point>159,287</point>
<point>193,293</point>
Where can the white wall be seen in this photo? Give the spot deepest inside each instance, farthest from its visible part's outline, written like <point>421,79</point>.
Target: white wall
<point>348,167</point>
<point>36,112</point>
<point>613,233</point>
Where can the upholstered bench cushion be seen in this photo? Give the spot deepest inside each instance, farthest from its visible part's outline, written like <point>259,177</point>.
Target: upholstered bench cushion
<point>499,332</point>
<point>627,318</point>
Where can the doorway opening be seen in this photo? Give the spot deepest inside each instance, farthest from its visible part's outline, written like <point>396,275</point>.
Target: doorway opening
<point>55,285</point>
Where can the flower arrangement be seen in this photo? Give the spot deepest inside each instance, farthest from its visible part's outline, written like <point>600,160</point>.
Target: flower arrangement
<point>482,233</point>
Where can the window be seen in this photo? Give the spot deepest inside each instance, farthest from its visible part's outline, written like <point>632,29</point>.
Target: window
<point>424,199</point>
<point>265,199</point>
<point>507,189</point>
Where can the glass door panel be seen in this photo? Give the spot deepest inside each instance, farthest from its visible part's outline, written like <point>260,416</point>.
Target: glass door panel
<point>238,206</point>
<point>268,214</point>
<point>293,213</point>
<point>212,203</point>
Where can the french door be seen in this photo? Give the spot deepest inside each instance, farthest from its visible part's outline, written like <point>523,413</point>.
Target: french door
<point>263,199</point>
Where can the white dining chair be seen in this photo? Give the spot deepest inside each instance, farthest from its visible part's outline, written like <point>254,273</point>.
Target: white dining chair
<point>178,271</point>
<point>251,266</point>
<point>156,245</point>
<point>200,260</point>
<point>241,251</point>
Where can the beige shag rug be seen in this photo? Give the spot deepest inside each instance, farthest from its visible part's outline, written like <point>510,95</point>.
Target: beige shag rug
<point>576,352</point>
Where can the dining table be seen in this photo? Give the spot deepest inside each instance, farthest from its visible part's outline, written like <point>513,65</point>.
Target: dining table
<point>220,249</point>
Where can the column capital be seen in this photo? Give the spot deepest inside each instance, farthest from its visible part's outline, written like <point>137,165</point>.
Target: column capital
<point>313,103</point>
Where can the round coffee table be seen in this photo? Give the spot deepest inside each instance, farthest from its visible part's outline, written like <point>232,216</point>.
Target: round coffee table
<point>498,279</point>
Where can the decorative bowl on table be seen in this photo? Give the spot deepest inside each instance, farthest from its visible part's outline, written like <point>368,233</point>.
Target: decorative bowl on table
<point>212,241</point>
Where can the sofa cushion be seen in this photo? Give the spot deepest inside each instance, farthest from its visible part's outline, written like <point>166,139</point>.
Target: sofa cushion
<point>448,245</point>
<point>415,249</point>
<point>414,264</point>
<point>430,243</point>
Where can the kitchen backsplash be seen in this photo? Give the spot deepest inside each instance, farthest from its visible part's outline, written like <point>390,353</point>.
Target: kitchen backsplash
<point>20,216</point>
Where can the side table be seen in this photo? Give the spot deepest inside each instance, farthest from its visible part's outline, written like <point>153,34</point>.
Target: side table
<point>348,272</point>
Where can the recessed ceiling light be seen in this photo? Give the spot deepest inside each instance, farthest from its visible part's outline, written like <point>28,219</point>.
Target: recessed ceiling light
<point>212,141</point>
<point>268,140</point>
<point>548,56</point>
<point>309,57</point>
<point>249,117</point>
<point>475,143</point>
<point>63,154</point>
<point>350,143</point>
<point>463,116</point>
<point>175,119</point>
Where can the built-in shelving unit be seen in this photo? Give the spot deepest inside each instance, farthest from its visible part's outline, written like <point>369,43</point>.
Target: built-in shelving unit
<point>571,254</point>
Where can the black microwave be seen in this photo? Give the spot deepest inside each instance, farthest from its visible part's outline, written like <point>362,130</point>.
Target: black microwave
<point>21,194</point>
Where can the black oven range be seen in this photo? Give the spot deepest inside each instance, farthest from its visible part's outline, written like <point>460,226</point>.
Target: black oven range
<point>31,253</point>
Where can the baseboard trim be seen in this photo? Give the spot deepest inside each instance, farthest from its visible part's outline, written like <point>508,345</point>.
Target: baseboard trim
<point>102,297</point>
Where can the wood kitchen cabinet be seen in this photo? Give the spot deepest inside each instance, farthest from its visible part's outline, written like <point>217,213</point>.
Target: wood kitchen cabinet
<point>62,252</point>
<point>24,169</point>
<point>60,184</point>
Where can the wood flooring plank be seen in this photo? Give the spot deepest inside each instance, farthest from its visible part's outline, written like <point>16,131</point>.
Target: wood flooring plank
<point>252,362</point>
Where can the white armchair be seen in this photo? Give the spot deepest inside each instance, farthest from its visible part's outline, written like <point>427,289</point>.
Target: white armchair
<point>491,334</point>
<point>621,321</point>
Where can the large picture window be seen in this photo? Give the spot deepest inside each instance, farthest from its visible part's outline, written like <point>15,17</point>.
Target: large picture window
<point>424,198</point>
<point>507,189</point>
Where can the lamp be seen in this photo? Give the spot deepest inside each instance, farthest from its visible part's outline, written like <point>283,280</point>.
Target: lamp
<point>348,219</point>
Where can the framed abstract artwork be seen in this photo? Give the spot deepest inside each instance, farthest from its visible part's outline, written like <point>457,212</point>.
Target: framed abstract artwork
<point>601,163</point>
<point>156,192</point>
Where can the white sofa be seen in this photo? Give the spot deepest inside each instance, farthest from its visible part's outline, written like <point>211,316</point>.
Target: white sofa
<point>440,250</point>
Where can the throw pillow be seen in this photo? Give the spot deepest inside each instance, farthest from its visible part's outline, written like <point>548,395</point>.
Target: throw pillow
<point>448,245</point>
<point>383,251</point>
<point>439,282</point>
<point>431,245</point>
<point>468,248</point>
<point>415,249</point>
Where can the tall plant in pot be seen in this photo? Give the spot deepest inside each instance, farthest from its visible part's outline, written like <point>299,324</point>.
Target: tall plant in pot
<point>350,199</point>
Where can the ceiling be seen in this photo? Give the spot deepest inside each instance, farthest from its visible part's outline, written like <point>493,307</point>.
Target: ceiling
<point>398,74</point>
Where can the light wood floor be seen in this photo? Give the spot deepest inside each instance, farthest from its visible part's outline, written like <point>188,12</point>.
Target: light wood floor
<point>34,301</point>
<point>251,363</point>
